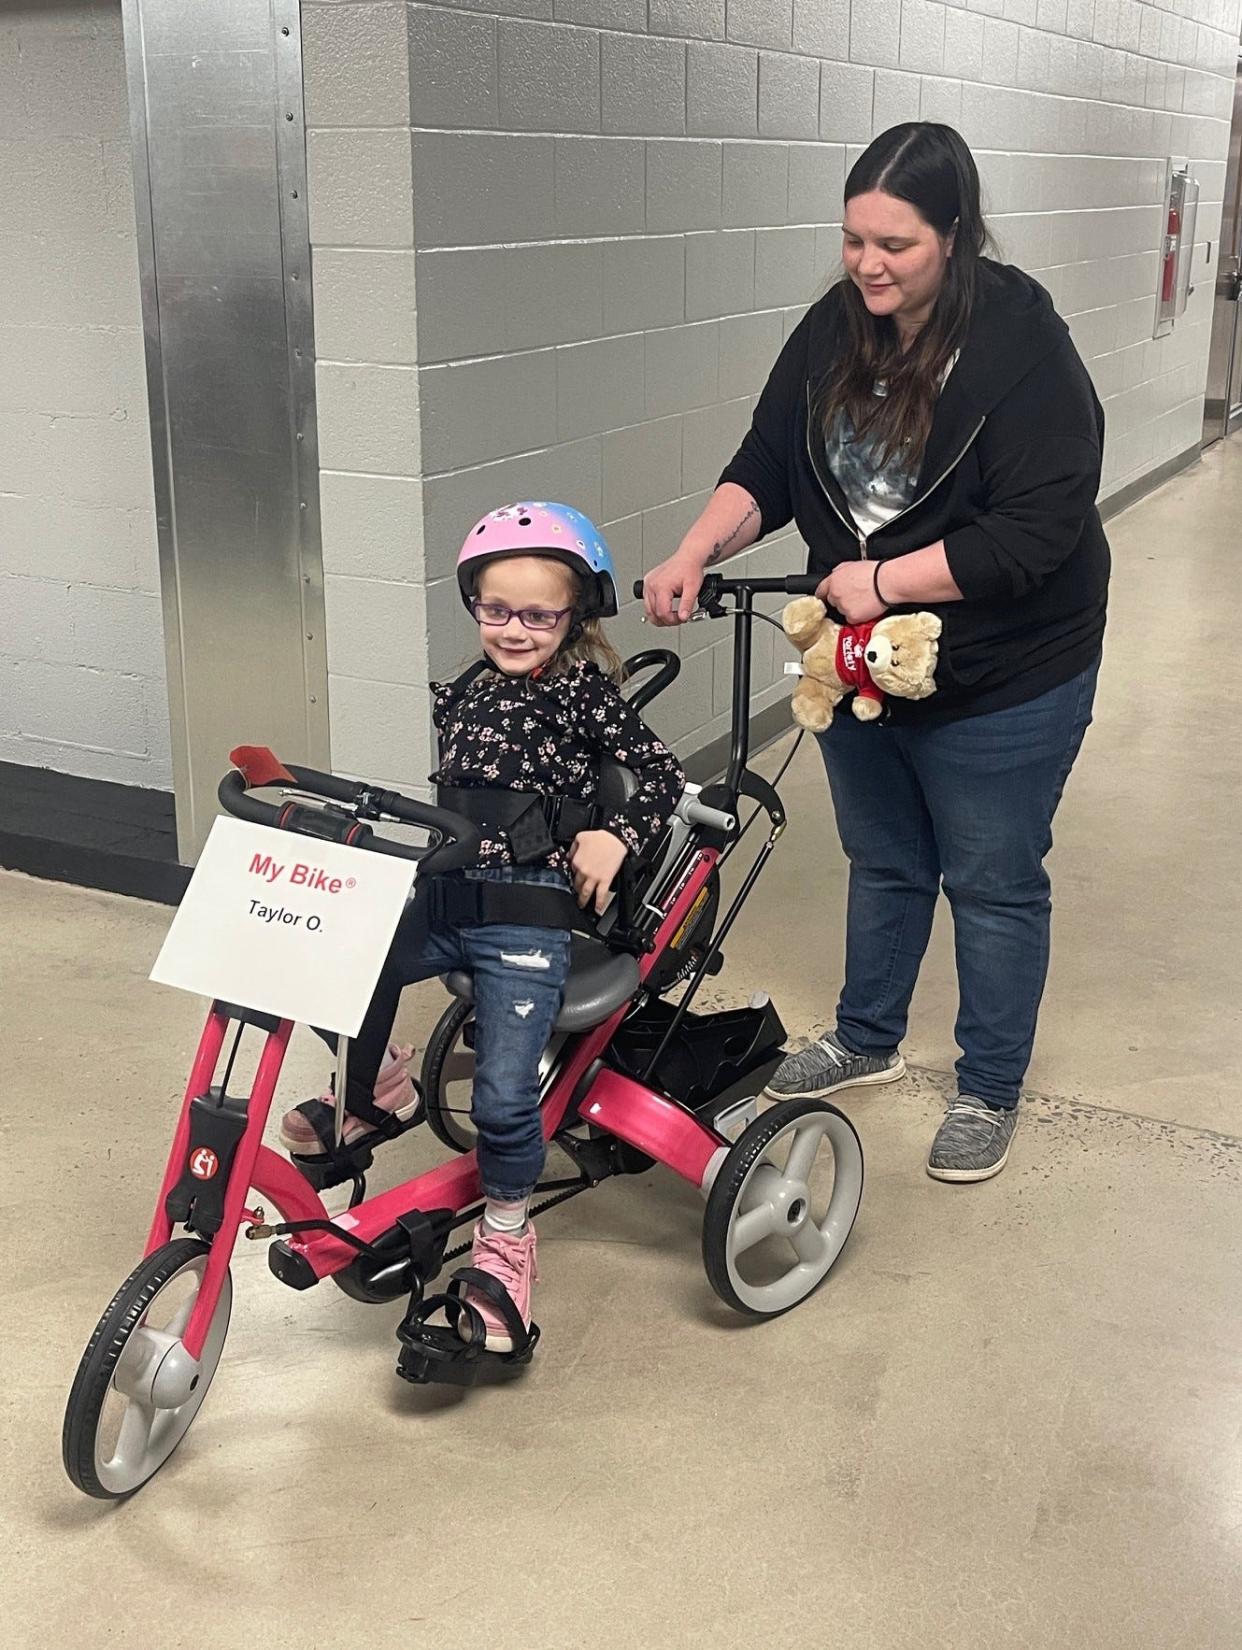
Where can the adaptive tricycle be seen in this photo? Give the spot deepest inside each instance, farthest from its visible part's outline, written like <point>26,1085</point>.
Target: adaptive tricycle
<point>632,1076</point>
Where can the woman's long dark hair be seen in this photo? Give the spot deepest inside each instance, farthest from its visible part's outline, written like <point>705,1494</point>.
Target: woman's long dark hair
<point>930,168</point>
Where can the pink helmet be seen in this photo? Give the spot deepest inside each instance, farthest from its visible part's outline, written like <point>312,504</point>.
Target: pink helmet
<point>555,530</point>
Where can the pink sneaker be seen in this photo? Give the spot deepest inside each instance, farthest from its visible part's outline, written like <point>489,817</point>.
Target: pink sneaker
<point>509,1257</point>
<point>394,1093</point>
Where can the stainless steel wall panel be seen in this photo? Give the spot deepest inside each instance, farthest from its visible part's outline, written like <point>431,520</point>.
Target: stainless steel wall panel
<point>219,162</point>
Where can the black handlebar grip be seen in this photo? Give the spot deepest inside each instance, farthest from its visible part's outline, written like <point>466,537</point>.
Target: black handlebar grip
<point>459,850</point>
<point>793,584</point>
<point>236,800</point>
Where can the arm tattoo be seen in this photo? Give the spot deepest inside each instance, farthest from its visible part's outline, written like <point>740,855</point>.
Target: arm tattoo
<point>721,547</point>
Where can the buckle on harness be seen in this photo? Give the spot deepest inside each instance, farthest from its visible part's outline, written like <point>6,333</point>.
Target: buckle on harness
<point>532,824</point>
<point>530,835</point>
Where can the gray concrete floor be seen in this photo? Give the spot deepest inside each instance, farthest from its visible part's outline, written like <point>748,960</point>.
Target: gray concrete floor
<point>1011,1417</point>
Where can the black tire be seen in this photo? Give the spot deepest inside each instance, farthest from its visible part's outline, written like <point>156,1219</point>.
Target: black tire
<point>93,1381</point>
<point>677,965</point>
<point>452,1127</point>
<point>732,1183</point>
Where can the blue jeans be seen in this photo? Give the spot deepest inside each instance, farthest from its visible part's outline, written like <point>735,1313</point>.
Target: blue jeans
<point>968,804</point>
<point>519,980</point>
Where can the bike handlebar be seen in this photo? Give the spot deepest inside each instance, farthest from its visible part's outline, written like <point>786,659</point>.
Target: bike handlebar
<point>459,839</point>
<point>715,584</point>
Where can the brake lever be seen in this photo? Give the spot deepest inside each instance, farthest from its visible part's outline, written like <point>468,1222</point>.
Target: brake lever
<point>366,805</point>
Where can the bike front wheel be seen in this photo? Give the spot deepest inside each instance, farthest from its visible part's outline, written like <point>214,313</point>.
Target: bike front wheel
<point>137,1389</point>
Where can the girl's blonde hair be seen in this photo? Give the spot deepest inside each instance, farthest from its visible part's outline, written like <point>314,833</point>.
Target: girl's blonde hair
<point>586,640</point>
<point>592,645</point>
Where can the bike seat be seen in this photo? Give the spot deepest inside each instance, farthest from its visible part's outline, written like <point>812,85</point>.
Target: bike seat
<point>599,982</point>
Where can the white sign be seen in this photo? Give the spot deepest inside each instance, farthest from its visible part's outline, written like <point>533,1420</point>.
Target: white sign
<point>285,924</point>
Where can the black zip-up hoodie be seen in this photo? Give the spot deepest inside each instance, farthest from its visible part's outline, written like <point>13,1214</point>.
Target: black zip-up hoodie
<point>1008,481</point>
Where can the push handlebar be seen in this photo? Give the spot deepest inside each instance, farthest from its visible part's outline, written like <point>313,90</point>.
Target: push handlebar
<point>743,591</point>
<point>715,585</point>
<point>459,839</point>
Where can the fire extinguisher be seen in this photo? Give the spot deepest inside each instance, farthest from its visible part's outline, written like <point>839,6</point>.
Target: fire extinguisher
<point>1171,239</point>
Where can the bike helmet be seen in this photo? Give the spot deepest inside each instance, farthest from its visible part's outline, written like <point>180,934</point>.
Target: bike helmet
<point>543,529</point>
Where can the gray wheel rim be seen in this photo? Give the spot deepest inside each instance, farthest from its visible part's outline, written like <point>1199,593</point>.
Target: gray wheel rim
<point>777,1202</point>
<point>134,1439</point>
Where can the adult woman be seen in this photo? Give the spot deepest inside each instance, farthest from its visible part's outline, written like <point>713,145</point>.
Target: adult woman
<point>935,435</point>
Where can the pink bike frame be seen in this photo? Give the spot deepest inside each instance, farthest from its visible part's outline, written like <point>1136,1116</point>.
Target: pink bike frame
<point>623,1107</point>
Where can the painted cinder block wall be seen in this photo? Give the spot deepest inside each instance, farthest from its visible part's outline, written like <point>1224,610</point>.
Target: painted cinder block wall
<point>556,247</point>
<point>558,244</point>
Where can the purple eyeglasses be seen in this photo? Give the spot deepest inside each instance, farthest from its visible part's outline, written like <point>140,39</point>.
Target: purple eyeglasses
<point>533,618</point>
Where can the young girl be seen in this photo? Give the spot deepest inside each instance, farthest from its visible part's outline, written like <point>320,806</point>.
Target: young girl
<point>532,719</point>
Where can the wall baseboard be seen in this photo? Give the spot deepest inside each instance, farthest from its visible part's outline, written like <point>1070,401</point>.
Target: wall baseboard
<point>1139,488</point>
<point>122,838</point>
<point>709,764</point>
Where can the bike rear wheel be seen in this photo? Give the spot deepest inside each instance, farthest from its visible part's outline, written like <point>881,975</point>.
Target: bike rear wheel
<point>447,1077</point>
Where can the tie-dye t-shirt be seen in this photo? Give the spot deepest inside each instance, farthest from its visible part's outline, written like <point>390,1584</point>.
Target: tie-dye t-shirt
<point>875,491</point>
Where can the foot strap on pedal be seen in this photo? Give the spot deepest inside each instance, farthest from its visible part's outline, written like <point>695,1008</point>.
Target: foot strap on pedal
<point>456,1350</point>
<point>351,1159</point>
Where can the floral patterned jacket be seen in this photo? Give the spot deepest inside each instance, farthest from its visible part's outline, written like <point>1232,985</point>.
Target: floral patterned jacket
<point>547,735</point>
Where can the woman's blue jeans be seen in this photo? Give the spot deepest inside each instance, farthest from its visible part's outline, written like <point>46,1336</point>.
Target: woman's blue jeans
<point>968,805</point>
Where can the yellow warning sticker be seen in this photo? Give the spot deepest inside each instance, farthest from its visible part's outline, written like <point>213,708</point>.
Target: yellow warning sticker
<point>688,923</point>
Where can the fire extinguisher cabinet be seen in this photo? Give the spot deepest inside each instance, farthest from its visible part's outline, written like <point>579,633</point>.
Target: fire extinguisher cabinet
<point>1181,207</point>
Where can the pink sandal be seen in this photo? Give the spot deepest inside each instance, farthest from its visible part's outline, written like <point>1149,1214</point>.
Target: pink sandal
<point>306,1131</point>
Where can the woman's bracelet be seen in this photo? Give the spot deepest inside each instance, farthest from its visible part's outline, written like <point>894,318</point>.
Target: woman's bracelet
<point>875,585</point>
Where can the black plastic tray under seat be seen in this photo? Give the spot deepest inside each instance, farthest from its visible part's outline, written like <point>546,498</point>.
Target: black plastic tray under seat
<point>713,1058</point>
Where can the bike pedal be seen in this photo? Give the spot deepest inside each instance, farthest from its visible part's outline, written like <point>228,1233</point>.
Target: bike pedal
<point>323,1175</point>
<point>438,1355</point>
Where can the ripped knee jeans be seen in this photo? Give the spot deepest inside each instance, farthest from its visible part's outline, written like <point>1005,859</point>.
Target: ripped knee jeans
<point>519,980</point>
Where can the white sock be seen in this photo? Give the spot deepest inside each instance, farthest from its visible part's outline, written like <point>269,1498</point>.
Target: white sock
<point>505,1217</point>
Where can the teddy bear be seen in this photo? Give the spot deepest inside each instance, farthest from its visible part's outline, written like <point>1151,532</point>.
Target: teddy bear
<point>896,654</point>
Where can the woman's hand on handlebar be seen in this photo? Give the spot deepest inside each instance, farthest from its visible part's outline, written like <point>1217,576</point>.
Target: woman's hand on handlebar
<point>671,590</point>
<point>850,589</point>
<point>729,522</point>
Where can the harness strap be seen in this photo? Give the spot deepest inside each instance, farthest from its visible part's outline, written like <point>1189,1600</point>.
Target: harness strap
<point>470,1277</point>
<point>455,902</point>
<point>532,824</point>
